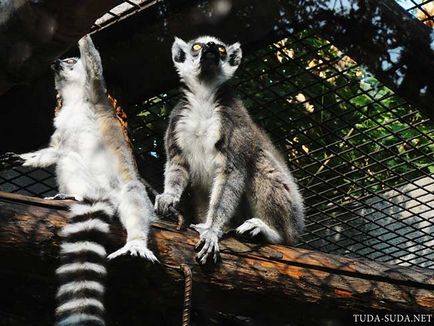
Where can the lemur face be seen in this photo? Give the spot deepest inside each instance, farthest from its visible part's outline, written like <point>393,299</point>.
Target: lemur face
<point>205,59</point>
<point>69,70</point>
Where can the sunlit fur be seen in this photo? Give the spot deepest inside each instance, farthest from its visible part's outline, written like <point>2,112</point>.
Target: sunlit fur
<point>213,145</point>
<point>94,163</point>
<point>70,77</point>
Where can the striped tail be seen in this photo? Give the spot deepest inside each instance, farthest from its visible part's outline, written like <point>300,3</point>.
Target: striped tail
<point>82,271</point>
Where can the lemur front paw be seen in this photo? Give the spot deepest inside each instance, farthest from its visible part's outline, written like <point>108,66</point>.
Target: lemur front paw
<point>208,243</point>
<point>11,159</point>
<point>30,159</point>
<point>137,248</point>
<point>164,202</point>
<point>84,40</point>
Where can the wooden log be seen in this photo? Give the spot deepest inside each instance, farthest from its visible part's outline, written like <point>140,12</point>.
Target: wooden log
<point>272,277</point>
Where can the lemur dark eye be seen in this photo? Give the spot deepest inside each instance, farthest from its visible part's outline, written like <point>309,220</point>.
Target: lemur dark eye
<point>196,46</point>
<point>222,49</point>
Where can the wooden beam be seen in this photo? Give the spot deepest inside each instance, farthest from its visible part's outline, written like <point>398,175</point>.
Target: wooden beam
<point>280,275</point>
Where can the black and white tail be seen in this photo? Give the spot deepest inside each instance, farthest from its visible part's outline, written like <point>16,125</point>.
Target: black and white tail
<point>82,271</point>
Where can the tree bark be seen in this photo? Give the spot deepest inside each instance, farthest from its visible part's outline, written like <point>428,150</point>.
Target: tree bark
<point>272,277</point>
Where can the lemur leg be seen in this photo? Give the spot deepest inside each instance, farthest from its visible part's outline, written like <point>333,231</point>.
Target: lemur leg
<point>226,193</point>
<point>274,202</point>
<point>136,215</point>
<point>176,178</point>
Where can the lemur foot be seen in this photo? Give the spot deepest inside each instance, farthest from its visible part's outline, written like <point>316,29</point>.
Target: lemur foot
<point>165,204</point>
<point>137,248</point>
<point>10,158</point>
<point>249,226</point>
<point>255,226</point>
<point>208,243</point>
<point>61,197</point>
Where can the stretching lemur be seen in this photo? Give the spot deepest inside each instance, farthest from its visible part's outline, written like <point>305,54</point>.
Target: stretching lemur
<point>212,142</point>
<point>95,165</point>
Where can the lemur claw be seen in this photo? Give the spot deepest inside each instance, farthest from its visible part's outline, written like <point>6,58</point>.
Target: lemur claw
<point>137,248</point>
<point>208,243</point>
<point>11,158</point>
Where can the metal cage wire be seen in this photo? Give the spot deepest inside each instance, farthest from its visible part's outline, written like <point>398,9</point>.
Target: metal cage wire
<point>363,157</point>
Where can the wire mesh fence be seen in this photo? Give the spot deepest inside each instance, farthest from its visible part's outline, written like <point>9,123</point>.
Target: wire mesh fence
<point>422,9</point>
<point>362,156</point>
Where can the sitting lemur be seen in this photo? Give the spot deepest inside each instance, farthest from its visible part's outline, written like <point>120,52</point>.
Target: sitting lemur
<point>95,165</point>
<point>213,145</point>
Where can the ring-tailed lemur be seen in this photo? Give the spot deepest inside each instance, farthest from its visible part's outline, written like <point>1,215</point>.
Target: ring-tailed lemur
<point>95,165</point>
<point>212,142</point>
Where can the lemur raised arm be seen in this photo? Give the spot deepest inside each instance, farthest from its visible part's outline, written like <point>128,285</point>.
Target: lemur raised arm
<point>212,143</point>
<point>94,164</point>
<point>94,78</point>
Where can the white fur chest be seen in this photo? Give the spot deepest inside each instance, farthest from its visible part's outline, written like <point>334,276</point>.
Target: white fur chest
<point>84,155</point>
<point>73,116</point>
<point>197,133</point>
<point>77,126</point>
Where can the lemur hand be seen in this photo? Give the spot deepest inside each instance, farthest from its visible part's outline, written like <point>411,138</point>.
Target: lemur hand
<point>208,243</point>
<point>36,159</point>
<point>10,158</point>
<point>164,203</point>
<point>84,41</point>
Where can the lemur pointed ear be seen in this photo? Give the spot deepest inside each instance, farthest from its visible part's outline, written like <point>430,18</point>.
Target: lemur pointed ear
<point>179,49</point>
<point>235,54</point>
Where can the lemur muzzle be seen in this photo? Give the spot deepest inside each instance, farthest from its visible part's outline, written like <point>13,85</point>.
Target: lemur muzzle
<point>56,64</point>
<point>210,51</point>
